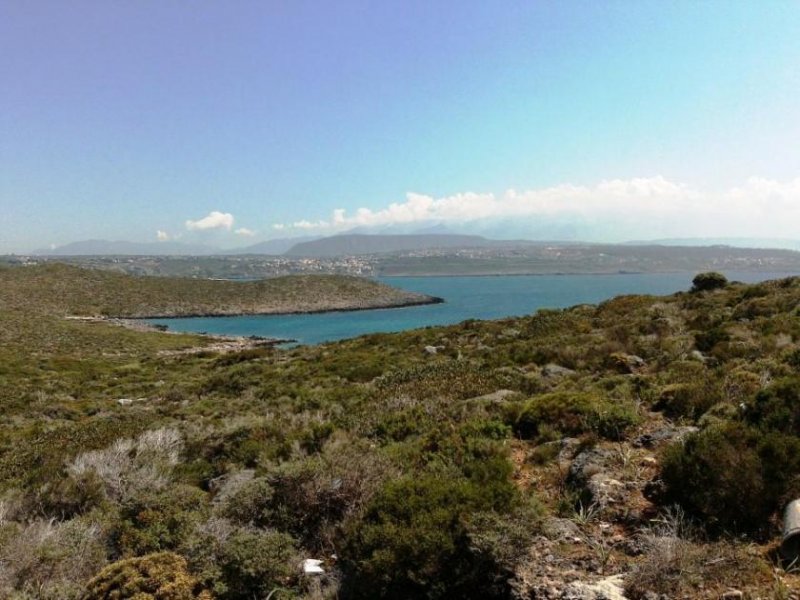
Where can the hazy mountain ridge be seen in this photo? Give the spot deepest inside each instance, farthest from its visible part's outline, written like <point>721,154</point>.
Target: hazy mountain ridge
<point>125,248</point>
<point>354,244</point>
<point>733,242</point>
<point>270,247</point>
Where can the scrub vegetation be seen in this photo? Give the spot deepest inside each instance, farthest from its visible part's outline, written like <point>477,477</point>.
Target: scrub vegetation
<point>647,444</point>
<point>62,289</point>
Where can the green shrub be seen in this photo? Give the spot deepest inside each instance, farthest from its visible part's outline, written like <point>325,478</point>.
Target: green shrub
<point>732,476</point>
<point>251,504</point>
<point>396,426</point>
<point>162,576</point>
<point>778,407</point>
<point>709,281</point>
<point>574,414</point>
<point>687,400</point>
<point>152,522</point>
<point>793,359</point>
<point>413,542</point>
<point>706,340</point>
<point>253,563</point>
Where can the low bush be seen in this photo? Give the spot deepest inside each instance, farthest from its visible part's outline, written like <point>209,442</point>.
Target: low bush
<point>706,340</point>
<point>256,562</point>
<point>413,542</point>
<point>131,465</point>
<point>156,521</point>
<point>733,476</point>
<point>250,504</point>
<point>778,407</point>
<point>711,280</point>
<point>574,414</point>
<point>50,560</point>
<point>687,400</point>
<point>162,576</point>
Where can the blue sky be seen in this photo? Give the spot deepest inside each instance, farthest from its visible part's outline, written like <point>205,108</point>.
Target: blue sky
<point>634,119</point>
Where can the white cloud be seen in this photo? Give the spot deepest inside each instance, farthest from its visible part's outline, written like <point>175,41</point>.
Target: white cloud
<point>245,232</point>
<point>278,226</point>
<point>162,236</point>
<point>646,206</point>
<point>311,225</point>
<point>213,220</point>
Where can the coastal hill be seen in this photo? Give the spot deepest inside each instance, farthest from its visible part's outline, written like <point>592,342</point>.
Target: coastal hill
<point>76,291</point>
<point>433,255</point>
<point>641,448</point>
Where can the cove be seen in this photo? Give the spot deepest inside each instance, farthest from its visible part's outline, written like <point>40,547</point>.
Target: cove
<point>491,297</point>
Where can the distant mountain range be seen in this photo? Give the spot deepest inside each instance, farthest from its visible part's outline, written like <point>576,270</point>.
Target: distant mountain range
<point>271,247</point>
<point>734,242</point>
<point>122,248</point>
<point>356,243</point>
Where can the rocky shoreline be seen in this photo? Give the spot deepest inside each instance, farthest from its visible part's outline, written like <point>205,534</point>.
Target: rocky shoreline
<point>231,343</point>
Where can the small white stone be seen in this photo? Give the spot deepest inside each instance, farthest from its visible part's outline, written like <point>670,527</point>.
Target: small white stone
<point>311,566</point>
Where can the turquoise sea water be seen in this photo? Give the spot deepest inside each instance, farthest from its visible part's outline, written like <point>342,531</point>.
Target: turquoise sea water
<point>465,298</point>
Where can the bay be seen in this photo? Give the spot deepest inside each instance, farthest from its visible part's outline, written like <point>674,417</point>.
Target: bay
<point>465,298</point>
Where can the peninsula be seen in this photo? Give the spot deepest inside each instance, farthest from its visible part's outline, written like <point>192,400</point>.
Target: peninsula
<point>73,291</point>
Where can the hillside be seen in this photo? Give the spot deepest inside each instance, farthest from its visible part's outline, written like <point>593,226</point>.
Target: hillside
<point>592,258</point>
<point>63,289</point>
<point>642,448</point>
<point>491,258</point>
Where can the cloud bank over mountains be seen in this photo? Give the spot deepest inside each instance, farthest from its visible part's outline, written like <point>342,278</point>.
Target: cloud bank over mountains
<point>613,209</point>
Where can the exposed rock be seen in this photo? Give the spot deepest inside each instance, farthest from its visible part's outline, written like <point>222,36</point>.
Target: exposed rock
<point>554,588</point>
<point>655,491</point>
<point>733,595</point>
<point>561,529</point>
<point>699,356</point>
<point>627,363</point>
<point>589,473</point>
<point>569,448</point>
<point>610,588</point>
<point>669,433</point>
<point>496,397</point>
<point>128,401</point>
<point>634,545</point>
<point>553,370</point>
<point>431,350</point>
<point>587,464</point>
<point>605,490</point>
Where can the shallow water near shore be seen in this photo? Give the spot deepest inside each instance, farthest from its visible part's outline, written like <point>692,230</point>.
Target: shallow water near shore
<point>465,298</point>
